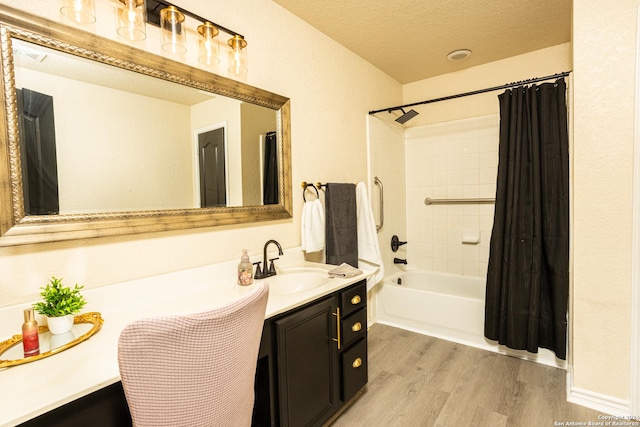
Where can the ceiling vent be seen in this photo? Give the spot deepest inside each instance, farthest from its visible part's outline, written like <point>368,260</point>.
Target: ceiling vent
<point>459,54</point>
<point>27,52</point>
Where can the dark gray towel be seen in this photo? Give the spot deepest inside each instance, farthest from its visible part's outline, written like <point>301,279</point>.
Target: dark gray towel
<point>341,224</point>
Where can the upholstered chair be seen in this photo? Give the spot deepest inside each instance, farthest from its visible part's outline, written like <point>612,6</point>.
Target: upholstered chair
<point>194,370</point>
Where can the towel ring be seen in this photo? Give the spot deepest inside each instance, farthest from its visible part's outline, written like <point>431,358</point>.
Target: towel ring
<point>304,190</point>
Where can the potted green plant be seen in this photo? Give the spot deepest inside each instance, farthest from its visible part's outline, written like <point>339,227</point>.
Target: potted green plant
<point>59,305</point>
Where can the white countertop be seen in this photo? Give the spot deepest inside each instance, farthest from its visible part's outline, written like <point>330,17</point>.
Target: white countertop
<point>34,388</point>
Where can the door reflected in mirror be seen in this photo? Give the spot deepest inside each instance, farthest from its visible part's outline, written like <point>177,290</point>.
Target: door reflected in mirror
<point>96,139</point>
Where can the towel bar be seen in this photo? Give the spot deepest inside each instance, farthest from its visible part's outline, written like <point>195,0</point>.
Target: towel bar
<point>304,186</point>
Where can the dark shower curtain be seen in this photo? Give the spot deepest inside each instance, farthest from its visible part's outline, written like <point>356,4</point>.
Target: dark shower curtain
<point>527,278</point>
<point>270,178</point>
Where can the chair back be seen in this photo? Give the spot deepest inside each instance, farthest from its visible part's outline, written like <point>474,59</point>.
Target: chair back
<point>194,370</point>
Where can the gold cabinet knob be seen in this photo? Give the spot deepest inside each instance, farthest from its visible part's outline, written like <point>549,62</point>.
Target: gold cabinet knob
<point>356,300</point>
<point>357,363</point>
<point>356,327</point>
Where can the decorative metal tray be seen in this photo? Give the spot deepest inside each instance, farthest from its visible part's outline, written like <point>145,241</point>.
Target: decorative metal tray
<point>84,327</point>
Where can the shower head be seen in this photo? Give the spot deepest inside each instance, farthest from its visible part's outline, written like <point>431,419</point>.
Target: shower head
<point>405,117</point>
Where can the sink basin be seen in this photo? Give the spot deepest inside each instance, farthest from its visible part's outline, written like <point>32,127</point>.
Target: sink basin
<point>292,280</point>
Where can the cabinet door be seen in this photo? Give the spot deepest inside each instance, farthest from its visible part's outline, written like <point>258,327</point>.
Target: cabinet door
<point>307,365</point>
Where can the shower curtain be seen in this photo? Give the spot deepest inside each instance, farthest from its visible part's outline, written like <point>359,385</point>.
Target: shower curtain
<point>270,177</point>
<point>527,278</point>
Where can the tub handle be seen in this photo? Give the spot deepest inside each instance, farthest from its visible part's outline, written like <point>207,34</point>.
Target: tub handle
<point>356,300</point>
<point>337,314</point>
<point>356,327</point>
<point>377,181</point>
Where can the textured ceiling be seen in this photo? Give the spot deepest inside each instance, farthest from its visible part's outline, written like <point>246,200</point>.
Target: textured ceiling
<point>410,39</point>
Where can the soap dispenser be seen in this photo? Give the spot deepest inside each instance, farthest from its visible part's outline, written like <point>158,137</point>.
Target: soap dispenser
<point>245,270</point>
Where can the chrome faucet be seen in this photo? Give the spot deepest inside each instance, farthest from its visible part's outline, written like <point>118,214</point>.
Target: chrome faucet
<point>271,271</point>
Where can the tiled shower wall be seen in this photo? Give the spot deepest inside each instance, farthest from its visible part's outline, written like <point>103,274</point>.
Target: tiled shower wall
<point>387,162</point>
<point>456,159</point>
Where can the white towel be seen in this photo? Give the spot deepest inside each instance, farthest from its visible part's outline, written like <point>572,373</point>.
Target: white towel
<point>312,229</point>
<point>368,245</point>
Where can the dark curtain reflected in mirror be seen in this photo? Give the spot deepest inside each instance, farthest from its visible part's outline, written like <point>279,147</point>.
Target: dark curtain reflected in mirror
<point>38,147</point>
<point>270,190</point>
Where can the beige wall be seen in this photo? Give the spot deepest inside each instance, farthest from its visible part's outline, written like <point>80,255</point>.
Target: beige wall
<point>604,53</point>
<point>331,91</point>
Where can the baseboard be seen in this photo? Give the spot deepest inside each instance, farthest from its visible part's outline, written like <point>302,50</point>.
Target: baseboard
<point>596,401</point>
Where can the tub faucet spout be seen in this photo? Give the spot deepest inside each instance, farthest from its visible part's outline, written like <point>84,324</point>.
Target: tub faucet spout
<point>399,261</point>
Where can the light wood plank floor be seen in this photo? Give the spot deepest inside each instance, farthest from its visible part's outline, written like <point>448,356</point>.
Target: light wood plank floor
<point>416,380</point>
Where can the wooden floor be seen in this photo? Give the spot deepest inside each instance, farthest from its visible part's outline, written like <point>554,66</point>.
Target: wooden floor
<point>416,380</point>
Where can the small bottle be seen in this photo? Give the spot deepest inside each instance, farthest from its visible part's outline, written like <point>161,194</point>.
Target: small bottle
<point>245,270</point>
<point>30,338</point>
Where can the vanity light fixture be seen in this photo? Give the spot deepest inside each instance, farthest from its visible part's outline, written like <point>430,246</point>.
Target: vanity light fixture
<point>208,44</point>
<point>238,55</point>
<point>171,19</point>
<point>80,11</point>
<point>174,33</point>
<point>131,20</point>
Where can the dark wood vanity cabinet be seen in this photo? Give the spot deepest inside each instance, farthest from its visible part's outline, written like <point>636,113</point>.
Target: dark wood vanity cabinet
<point>308,386</point>
<point>313,359</point>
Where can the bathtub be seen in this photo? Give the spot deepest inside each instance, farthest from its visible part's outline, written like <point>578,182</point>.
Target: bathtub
<point>444,306</point>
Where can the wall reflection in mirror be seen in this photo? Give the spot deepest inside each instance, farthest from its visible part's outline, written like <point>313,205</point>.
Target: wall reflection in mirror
<point>96,138</point>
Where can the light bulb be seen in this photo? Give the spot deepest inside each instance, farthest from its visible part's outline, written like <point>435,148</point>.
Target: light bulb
<point>174,37</point>
<point>80,11</point>
<point>131,22</point>
<point>208,44</point>
<point>238,55</point>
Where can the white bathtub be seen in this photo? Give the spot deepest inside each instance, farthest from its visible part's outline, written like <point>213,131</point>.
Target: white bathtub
<point>444,306</point>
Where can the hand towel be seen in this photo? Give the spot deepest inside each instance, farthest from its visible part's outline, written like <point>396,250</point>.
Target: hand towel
<point>368,244</point>
<point>344,270</point>
<point>312,229</point>
<point>341,224</point>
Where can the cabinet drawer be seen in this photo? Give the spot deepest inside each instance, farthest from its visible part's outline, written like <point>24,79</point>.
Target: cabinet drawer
<point>353,298</point>
<point>354,370</point>
<point>354,326</point>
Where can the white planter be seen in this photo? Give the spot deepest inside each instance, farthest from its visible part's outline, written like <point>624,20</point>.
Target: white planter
<point>60,325</point>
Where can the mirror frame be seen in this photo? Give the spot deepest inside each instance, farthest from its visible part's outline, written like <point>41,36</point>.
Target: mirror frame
<point>18,229</point>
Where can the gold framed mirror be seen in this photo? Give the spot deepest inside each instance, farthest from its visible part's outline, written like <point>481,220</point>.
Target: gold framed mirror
<point>84,327</point>
<point>21,224</point>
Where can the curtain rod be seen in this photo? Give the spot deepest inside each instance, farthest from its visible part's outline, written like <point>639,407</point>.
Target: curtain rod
<point>475,92</point>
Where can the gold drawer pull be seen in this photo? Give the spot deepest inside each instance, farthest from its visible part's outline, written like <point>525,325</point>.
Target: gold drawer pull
<point>356,327</point>
<point>337,314</point>
<point>356,300</point>
<point>357,363</point>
